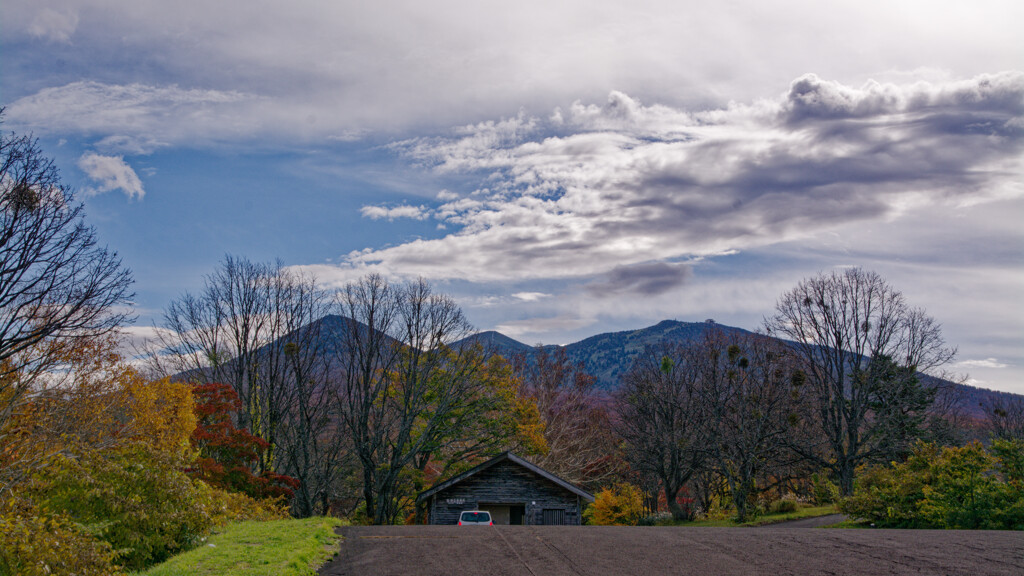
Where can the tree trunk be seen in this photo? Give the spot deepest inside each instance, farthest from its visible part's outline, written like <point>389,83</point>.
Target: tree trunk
<point>421,513</point>
<point>421,507</point>
<point>845,473</point>
<point>371,509</point>
<point>740,493</point>
<point>673,504</point>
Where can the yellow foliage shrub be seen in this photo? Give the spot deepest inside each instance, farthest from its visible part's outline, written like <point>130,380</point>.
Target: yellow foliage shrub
<point>33,543</point>
<point>235,506</point>
<point>620,505</point>
<point>161,413</point>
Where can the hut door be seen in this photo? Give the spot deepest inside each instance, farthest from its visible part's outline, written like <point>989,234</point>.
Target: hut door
<point>515,515</point>
<point>500,515</point>
<point>553,517</point>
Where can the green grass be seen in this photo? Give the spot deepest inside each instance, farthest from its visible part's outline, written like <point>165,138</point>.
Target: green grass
<point>279,547</point>
<point>809,512</point>
<point>850,524</point>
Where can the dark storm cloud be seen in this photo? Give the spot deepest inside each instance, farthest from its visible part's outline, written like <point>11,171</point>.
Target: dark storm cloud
<point>648,279</point>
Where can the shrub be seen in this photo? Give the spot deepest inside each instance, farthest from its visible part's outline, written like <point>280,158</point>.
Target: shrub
<point>359,517</point>
<point>825,490</point>
<point>687,505</point>
<point>688,508</point>
<point>783,506</point>
<point>657,519</point>
<point>33,543</point>
<point>963,493</point>
<point>620,505</point>
<point>889,496</point>
<point>137,501</point>
<point>966,487</point>
<point>235,506</point>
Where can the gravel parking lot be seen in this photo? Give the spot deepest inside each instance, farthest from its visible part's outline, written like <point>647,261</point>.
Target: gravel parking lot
<point>604,551</point>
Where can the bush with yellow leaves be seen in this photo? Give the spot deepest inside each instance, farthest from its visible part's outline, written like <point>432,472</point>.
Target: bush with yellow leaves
<point>33,543</point>
<point>620,505</point>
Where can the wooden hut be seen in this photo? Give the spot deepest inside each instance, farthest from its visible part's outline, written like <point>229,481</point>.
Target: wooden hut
<point>513,490</point>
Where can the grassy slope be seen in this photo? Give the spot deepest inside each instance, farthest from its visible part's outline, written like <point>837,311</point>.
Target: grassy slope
<point>280,547</point>
<point>768,518</point>
<point>850,524</point>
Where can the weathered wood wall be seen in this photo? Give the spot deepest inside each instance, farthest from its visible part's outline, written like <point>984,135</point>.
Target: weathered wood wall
<point>505,483</point>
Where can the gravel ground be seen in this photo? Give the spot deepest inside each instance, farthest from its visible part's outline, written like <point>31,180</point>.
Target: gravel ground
<point>611,550</point>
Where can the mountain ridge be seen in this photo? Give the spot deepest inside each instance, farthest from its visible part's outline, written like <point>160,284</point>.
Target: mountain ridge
<point>607,356</point>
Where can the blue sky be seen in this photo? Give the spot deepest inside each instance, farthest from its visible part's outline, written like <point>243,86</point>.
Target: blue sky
<point>562,169</point>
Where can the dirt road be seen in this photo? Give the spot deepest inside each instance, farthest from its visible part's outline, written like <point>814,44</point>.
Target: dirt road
<point>606,551</point>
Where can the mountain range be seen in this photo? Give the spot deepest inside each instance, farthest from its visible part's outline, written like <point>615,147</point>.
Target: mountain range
<point>608,356</point>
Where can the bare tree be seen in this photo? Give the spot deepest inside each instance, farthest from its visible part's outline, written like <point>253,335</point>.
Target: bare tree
<point>405,385</point>
<point>57,284</point>
<point>1005,414</point>
<point>838,323</point>
<point>256,327</point>
<point>581,445</point>
<point>313,444</point>
<point>217,335</point>
<point>664,418</point>
<point>750,389</point>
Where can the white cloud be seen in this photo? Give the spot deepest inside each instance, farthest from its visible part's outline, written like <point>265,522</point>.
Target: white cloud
<point>539,326</point>
<point>139,118</point>
<point>382,212</point>
<point>530,296</point>
<point>54,25</point>
<point>624,223</point>
<point>985,363</point>
<point>637,135</point>
<point>111,173</point>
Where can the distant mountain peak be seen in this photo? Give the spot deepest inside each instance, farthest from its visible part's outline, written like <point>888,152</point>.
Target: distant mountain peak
<point>497,342</point>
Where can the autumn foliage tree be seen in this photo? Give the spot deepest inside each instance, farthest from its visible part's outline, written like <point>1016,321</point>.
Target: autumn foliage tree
<point>95,402</point>
<point>226,454</point>
<point>57,284</point>
<point>100,447</point>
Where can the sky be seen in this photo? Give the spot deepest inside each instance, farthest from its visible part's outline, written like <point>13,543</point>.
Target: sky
<point>562,169</point>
